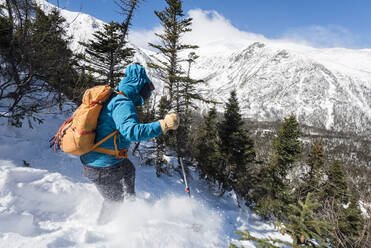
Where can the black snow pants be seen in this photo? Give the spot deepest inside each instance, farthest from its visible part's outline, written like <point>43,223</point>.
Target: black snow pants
<point>113,182</point>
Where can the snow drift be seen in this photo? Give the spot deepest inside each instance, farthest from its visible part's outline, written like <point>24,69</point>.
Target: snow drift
<point>50,204</point>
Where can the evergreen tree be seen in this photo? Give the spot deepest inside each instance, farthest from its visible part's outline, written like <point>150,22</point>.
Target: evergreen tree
<point>127,9</point>
<point>272,192</point>
<point>236,147</point>
<point>56,65</point>
<point>336,186</point>
<point>175,25</point>
<point>287,147</point>
<point>161,140</point>
<point>350,226</point>
<point>206,152</point>
<point>312,181</point>
<point>105,56</point>
<point>147,112</point>
<point>186,96</point>
<point>179,85</point>
<point>302,227</point>
<point>34,48</point>
<point>316,164</point>
<point>341,209</point>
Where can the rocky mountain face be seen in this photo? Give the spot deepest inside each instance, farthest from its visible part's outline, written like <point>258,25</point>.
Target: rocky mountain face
<point>324,88</point>
<point>272,83</point>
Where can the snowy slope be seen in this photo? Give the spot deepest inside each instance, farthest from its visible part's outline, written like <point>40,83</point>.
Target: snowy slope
<point>272,83</point>
<point>78,25</point>
<point>326,88</point>
<point>50,204</point>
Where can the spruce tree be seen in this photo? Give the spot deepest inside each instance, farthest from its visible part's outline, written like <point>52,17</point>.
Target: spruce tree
<point>351,226</point>
<point>336,186</point>
<point>179,86</point>
<point>236,147</point>
<point>302,227</point>
<point>272,192</point>
<point>316,163</point>
<point>127,9</point>
<point>161,140</point>
<point>105,55</point>
<point>147,112</point>
<point>53,60</point>
<point>206,151</point>
<point>287,146</point>
<point>34,48</point>
<point>314,179</point>
<point>175,26</point>
<point>187,94</point>
<point>341,209</point>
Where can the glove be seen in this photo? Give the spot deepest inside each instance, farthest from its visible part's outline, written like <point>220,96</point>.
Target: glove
<point>170,122</point>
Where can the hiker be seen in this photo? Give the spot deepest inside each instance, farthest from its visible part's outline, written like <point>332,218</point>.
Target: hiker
<point>115,177</point>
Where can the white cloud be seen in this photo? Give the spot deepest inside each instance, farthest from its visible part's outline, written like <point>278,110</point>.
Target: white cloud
<point>212,30</point>
<point>209,29</point>
<point>141,38</point>
<point>322,36</point>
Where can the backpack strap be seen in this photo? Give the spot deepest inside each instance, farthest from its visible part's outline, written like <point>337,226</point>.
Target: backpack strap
<point>119,154</point>
<point>121,93</point>
<point>114,133</point>
<point>55,141</point>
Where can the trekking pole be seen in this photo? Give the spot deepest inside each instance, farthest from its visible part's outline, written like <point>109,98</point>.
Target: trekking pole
<point>185,178</point>
<point>195,227</point>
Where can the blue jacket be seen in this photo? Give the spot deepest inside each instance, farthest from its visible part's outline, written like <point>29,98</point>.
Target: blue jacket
<point>119,113</point>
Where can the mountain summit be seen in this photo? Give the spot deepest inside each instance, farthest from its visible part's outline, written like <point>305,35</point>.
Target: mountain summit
<point>324,87</point>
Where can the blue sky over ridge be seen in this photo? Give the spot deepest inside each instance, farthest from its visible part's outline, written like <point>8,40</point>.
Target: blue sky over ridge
<point>319,23</point>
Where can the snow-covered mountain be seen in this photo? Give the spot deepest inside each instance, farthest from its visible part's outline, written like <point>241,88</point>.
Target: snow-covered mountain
<point>325,88</point>
<point>272,82</point>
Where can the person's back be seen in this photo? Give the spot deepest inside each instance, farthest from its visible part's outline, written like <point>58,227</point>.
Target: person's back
<point>119,113</point>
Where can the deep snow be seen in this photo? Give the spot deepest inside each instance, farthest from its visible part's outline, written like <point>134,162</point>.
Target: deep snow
<point>50,204</point>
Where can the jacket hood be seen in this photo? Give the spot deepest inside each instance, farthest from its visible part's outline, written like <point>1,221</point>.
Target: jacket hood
<point>133,82</point>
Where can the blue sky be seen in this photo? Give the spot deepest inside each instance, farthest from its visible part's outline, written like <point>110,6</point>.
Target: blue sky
<point>320,23</point>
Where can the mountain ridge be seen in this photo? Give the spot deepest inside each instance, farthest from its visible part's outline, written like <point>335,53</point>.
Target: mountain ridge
<point>324,87</point>
<point>273,85</point>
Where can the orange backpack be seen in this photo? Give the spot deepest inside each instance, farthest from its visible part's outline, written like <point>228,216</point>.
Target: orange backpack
<point>76,136</point>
